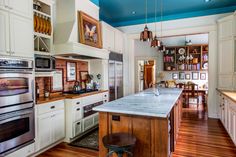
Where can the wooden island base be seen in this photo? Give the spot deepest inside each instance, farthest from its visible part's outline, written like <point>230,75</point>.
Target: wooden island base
<point>156,137</point>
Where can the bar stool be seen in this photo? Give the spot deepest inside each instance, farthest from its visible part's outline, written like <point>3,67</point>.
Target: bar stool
<point>119,143</point>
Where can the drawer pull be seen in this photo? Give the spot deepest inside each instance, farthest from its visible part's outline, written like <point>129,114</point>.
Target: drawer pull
<point>52,107</point>
<point>78,109</point>
<point>105,101</point>
<point>78,123</point>
<point>105,95</point>
<point>78,103</point>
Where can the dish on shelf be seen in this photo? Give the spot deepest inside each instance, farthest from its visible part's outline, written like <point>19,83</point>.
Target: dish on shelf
<point>181,51</point>
<point>205,66</point>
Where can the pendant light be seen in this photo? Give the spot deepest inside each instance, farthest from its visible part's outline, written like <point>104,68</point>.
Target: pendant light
<point>163,47</point>
<point>146,35</point>
<point>155,42</point>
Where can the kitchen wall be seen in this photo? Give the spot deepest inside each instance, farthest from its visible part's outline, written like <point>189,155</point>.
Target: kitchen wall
<point>81,66</point>
<point>44,83</point>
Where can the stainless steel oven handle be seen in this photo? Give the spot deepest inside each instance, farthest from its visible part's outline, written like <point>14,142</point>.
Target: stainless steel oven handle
<point>14,118</point>
<point>16,72</point>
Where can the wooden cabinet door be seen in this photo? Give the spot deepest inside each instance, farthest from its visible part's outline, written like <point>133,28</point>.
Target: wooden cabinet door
<point>4,31</point>
<point>44,130</point>
<point>21,36</point>
<point>119,41</point>
<point>108,35</point>
<point>58,123</point>
<point>21,7</point>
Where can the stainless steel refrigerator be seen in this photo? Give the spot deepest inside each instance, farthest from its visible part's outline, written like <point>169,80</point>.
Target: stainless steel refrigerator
<point>115,76</point>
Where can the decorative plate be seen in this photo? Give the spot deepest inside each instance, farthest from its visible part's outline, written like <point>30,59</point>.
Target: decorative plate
<point>205,66</point>
<point>181,51</point>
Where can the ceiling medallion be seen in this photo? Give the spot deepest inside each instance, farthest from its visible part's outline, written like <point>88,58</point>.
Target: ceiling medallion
<point>146,35</point>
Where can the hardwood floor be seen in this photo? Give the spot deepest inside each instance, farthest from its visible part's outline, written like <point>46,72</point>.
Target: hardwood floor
<point>202,137</point>
<point>198,137</point>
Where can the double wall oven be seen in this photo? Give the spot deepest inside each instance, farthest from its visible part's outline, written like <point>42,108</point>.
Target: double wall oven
<point>16,104</point>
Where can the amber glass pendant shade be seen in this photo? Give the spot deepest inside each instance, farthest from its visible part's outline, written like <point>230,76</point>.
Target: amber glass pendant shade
<point>146,35</point>
<point>155,42</point>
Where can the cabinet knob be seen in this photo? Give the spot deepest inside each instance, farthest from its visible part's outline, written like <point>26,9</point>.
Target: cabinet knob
<point>78,109</point>
<point>78,123</point>
<point>78,103</point>
<point>52,107</point>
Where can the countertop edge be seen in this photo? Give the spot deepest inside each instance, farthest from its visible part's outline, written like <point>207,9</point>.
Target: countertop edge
<point>225,90</point>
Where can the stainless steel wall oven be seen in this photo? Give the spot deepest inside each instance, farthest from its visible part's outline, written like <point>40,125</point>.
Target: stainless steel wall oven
<point>16,104</point>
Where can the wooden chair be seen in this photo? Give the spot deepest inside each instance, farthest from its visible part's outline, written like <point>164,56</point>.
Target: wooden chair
<point>182,85</point>
<point>192,92</point>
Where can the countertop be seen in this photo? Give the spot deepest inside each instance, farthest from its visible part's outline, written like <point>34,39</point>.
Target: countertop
<point>231,94</point>
<point>66,96</point>
<point>145,103</point>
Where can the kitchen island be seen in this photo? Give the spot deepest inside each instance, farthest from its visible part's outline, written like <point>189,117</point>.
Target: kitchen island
<point>152,116</point>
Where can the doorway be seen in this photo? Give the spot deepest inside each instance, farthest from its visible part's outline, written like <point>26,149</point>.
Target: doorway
<point>146,74</point>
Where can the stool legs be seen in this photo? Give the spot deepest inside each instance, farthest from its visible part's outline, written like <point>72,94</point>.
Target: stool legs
<point>110,153</point>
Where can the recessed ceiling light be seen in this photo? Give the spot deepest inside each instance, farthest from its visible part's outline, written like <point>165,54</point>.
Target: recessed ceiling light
<point>133,12</point>
<point>207,1</point>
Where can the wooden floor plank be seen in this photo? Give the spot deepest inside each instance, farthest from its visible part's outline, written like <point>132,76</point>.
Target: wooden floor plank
<point>198,137</point>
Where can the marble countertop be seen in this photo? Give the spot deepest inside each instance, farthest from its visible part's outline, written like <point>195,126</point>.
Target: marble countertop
<point>231,94</point>
<point>145,103</point>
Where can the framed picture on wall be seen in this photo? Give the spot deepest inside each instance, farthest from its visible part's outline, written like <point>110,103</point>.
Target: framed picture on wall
<point>83,75</point>
<point>181,75</point>
<point>195,75</point>
<point>203,76</point>
<point>89,30</point>
<point>187,76</point>
<point>70,71</point>
<point>175,76</point>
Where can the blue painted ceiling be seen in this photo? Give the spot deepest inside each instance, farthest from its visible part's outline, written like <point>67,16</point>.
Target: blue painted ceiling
<point>119,12</point>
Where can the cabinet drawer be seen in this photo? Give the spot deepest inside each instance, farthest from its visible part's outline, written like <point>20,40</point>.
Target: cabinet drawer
<point>77,128</point>
<point>88,123</point>
<point>25,151</point>
<point>77,113</point>
<point>49,107</point>
<point>96,118</point>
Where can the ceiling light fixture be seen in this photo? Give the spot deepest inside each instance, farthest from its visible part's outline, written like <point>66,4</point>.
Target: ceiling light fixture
<point>155,42</point>
<point>207,1</point>
<point>162,47</point>
<point>146,35</point>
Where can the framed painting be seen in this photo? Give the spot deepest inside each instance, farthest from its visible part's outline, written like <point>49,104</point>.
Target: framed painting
<point>83,75</point>
<point>89,30</point>
<point>175,76</point>
<point>181,75</point>
<point>70,71</point>
<point>195,75</point>
<point>202,76</point>
<point>187,76</point>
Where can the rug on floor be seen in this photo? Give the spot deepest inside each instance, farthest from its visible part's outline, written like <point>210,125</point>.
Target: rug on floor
<point>89,140</point>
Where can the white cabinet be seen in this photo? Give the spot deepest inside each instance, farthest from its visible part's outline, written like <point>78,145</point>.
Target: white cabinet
<point>21,36</point>
<point>108,36</point>
<point>50,123</point>
<point>21,7</point>
<point>4,31</point>
<point>225,27</point>
<point>16,35</point>
<point>112,38</point>
<point>44,130</point>
<point>119,41</point>
<point>227,111</point>
<point>226,56</point>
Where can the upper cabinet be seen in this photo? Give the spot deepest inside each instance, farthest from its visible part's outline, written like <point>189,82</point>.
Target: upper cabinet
<point>22,7</point>
<point>112,38</point>
<point>18,7</point>
<point>16,28</point>
<point>225,27</point>
<point>4,31</point>
<point>119,41</point>
<point>227,52</point>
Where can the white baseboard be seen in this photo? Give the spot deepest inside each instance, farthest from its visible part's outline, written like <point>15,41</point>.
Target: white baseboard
<point>214,115</point>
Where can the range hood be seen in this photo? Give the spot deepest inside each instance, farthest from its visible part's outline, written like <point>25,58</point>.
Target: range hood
<point>66,32</point>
